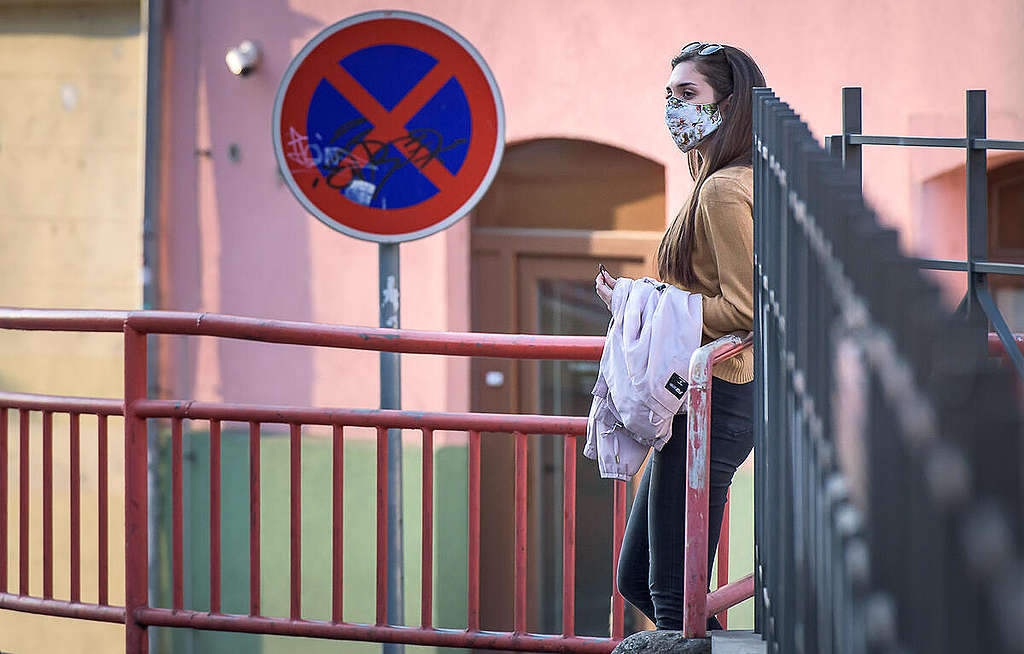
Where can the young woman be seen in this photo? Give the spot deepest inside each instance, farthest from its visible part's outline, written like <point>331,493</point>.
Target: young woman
<point>708,249</point>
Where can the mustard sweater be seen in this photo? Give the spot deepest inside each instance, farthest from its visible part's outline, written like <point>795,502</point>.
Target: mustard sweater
<point>723,261</point>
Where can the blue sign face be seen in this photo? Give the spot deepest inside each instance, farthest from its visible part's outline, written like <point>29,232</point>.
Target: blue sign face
<point>386,174</point>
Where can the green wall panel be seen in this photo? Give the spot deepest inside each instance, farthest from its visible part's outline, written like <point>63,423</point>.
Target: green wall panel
<point>450,529</point>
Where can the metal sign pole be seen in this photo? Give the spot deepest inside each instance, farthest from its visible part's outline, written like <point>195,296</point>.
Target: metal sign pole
<point>391,398</point>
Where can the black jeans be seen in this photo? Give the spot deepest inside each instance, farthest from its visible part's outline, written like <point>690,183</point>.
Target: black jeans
<point>650,573</point>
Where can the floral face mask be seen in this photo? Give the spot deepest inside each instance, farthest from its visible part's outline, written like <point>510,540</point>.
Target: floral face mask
<point>690,123</point>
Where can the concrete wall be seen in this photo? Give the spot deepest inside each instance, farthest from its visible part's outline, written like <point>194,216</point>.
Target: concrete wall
<point>70,171</point>
<point>70,236</point>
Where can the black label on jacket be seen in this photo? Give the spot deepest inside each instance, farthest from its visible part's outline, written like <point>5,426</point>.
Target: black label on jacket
<point>676,385</point>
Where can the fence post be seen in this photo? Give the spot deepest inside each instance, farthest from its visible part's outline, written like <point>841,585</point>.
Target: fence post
<point>761,96</point>
<point>834,146</point>
<point>136,496</point>
<point>977,215</point>
<point>852,124</point>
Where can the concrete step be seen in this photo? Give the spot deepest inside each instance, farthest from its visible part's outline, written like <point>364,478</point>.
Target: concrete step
<point>737,642</point>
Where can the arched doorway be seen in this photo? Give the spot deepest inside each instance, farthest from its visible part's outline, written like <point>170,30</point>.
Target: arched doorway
<point>556,209</point>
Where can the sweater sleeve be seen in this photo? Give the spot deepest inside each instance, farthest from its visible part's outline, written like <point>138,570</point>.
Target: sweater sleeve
<point>724,213</point>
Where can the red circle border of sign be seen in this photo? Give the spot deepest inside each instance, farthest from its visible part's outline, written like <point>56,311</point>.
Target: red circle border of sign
<point>436,39</point>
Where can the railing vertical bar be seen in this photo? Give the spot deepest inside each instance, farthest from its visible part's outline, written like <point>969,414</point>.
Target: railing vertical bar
<point>296,520</point>
<point>177,547</point>
<point>569,537</point>
<point>427,536</point>
<point>136,492</point>
<point>520,534</point>
<point>618,529</point>
<point>215,562</point>
<point>4,473</point>
<point>102,513</point>
<point>48,504</point>
<point>338,524</point>
<point>254,518</point>
<point>382,525</point>
<point>695,581</point>
<point>473,550</point>
<point>76,508</point>
<point>723,558</point>
<point>23,502</point>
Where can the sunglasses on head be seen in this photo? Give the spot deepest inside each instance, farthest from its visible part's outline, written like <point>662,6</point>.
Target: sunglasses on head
<point>701,48</point>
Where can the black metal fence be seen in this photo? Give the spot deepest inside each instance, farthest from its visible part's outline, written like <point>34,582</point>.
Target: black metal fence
<point>888,445</point>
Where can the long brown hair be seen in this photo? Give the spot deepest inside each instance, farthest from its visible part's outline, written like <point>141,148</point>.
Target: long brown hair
<point>728,71</point>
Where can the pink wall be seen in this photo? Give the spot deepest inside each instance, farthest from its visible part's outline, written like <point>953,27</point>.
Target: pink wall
<point>236,241</point>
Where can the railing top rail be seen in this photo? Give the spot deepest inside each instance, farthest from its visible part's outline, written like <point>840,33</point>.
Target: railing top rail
<point>62,404</point>
<point>718,350</point>
<point>62,320</point>
<point>408,341</point>
<point>513,346</point>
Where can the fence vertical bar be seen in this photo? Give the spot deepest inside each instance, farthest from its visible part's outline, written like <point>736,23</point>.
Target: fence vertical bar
<point>618,529</point>
<point>177,546</point>
<point>23,446</point>
<point>295,519</point>
<point>102,512</point>
<point>48,504</point>
<point>4,473</point>
<point>723,559</point>
<point>834,146</point>
<point>382,525</point>
<point>473,571</point>
<point>136,495</point>
<point>254,518</point>
<point>759,96</point>
<point>852,124</point>
<point>427,536</point>
<point>519,565</point>
<point>569,536</point>
<point>337,521</point>
<point>977,215</point>
<point>215,516</point>
<point>76,508</point>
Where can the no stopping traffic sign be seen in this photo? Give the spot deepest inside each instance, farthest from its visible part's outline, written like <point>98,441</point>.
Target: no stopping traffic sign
<point>388,126</point>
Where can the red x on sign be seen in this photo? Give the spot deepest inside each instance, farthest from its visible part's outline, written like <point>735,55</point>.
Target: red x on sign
<point>390,125</point>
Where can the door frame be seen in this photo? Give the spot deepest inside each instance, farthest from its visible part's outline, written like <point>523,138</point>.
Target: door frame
<point>518,257</point>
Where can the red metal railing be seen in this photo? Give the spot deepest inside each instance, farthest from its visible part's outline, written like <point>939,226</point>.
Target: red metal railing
<point>137,408</point>
<point>697,603</point>
<point>22,600</point>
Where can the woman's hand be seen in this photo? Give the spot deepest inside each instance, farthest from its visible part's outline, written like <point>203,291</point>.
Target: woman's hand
<point>604,283</point>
